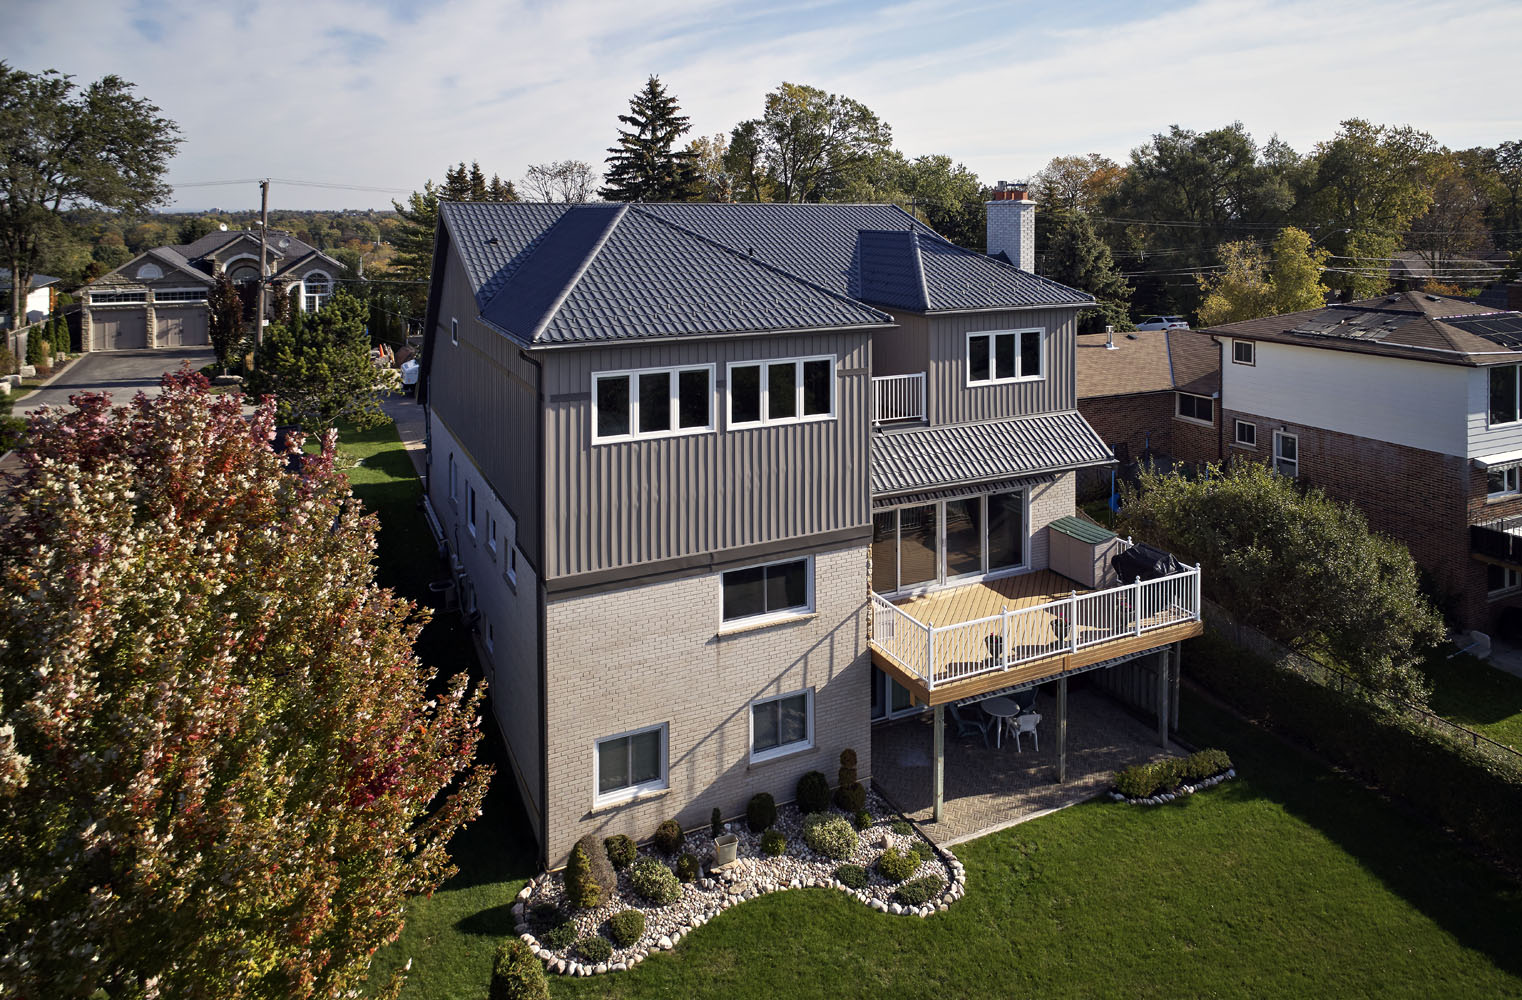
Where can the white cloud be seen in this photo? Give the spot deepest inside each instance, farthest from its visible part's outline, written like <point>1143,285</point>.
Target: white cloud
<point>369,95</point>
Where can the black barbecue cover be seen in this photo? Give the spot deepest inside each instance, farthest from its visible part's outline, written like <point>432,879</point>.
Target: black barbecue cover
<point>1145,562</point>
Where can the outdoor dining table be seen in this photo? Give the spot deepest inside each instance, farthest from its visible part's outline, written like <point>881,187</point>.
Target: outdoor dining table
<point>1002,709</point>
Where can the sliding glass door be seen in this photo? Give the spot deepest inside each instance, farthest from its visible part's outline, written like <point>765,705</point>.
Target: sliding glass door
<point>957,540</point>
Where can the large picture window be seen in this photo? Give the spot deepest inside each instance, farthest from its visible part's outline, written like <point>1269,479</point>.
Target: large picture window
<point>776,590</point>
<point>1504,404</point>
<point>652,402</point>
<point>781,725</point>
<point>630,763</point>
<point>1502,481</point>
<point>1287,454</point>
<point>317,289</point>
<point>781,392</point>
<point>926,544</point>
<point>1200,409</point>
<point>1005,356</point>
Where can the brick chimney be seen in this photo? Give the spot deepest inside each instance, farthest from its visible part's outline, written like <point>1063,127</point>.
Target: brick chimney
<point>1012,224</point>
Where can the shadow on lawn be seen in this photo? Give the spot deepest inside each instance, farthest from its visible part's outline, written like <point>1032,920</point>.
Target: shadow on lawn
<point>1473,902</point>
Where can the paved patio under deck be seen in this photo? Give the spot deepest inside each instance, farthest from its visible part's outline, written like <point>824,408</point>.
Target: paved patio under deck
<point>987,789</point>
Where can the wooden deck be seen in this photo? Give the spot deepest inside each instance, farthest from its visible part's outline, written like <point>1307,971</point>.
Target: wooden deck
<point>982,600</point>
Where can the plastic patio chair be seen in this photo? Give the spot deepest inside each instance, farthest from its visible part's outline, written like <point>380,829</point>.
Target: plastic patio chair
<point>1026,724</point>
<point>967,727</point>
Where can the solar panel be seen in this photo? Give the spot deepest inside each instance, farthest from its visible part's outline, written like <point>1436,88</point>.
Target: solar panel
<point>1502,328</point>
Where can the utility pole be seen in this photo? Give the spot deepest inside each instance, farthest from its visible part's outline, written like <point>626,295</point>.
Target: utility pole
<point>264,225</point>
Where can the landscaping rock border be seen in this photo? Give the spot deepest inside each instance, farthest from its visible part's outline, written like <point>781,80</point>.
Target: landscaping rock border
<point>1179,792</point>
<point>752,875</point>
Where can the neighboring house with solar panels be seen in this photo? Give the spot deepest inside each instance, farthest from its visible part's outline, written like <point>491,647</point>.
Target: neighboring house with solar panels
<point>158,298</point>
<point>1409,406</point>
<point>692,466</point>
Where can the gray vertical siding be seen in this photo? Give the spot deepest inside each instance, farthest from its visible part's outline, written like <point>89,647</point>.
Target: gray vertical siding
<point>903,351</point>
<point>952,401</point>
<point>485,391</point>
<point>623,504</point>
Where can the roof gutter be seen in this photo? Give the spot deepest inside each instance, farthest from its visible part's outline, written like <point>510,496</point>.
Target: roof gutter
<point>1026,308</point>
<point>686,337</point>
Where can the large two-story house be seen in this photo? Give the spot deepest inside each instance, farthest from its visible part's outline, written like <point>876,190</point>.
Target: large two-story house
<point>1407,405</point>
<point>722,484</point>
<point>158,298</point>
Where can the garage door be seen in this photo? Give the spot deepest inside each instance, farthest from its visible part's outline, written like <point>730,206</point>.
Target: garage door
<point>120,331</point>
<point>185,328</point>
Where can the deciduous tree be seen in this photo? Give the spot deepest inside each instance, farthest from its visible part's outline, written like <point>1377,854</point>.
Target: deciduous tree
<point>813,145</point>
<point>645,165</point>
<point>223,771</point>
<point>225,309</point>
<point>570,181</point>
<point>1250,285</point>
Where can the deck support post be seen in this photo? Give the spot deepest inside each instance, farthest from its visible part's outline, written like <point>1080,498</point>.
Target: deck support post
<point>938,794</point>
<point>1062,729</point>
<point>1178,669</point>
<point>1162,695</point>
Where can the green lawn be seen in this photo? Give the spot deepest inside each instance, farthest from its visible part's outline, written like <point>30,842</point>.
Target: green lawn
<point>1474,694</point>
<point>1288,881</point>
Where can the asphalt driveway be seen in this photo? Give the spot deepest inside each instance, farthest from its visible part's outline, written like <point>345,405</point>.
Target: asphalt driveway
<point>121,373</point>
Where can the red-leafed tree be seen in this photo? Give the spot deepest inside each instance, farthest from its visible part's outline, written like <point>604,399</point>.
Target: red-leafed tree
<point>222,768</point>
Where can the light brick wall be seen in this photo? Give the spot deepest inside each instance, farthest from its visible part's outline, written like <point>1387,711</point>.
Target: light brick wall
<point>649,655</point>
<point>1048,502</point>
<point>1012,229</point>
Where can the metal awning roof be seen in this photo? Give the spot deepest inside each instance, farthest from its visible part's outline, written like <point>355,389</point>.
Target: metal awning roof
<point>938,458</point>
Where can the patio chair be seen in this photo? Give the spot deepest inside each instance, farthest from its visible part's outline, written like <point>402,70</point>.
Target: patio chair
<point>1026,724</point>
<point>995,644</point>
<point>967,727</point>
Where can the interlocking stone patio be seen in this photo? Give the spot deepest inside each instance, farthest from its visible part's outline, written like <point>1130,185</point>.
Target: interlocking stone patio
<point>988,789</point>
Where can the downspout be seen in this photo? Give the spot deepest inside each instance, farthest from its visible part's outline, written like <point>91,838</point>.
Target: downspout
<point>540,599</point>
<point>1220,406</point>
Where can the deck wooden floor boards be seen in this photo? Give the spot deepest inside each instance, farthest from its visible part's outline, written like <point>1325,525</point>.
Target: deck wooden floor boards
<point>982,600</point>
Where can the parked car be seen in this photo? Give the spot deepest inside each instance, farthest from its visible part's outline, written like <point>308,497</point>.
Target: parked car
<point>1163,323</point>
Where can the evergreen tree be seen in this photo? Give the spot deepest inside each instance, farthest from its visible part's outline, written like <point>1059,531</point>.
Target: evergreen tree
<point>456,184</point>
<point>499,190</point>
<point>225,327</point>
<point>477,182</point>
<point>413,239</point>
<point>644,166</point>
<point>1077,257</point>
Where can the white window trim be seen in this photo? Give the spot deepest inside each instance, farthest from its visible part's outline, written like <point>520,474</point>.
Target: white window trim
<point>635,434</point>
<point>491,637</point>
<point>993,351</point>
<point>510,571</point>
<point>770,617</point>
<point>470,508</point>
<point>322,297</point>
<point>767,420</point>
<point>1178,399</point>
<point>454,331</point>
<point>102,298</point>
<point>942,579</point>
<point>786,749</point>
<point>1252,353</point>
<point>1236,434</point>
<point>157,269</point>
<point>1509,588</point>
<point>491,534</point>
<point>1516,477</point>
<point>1279,436</point>
<point>201,294</point>
<point>628,792</point>
<point>454,479</point>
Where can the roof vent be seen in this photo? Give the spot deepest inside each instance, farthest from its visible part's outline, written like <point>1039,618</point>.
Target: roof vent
<point>492,240</point>
<point>1130,336</point>
<point>1110,339</point>
<point>1434,298</point>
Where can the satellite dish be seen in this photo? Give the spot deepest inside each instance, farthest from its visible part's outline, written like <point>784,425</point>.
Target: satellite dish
<point>285,241</point>
<point>222,226</point>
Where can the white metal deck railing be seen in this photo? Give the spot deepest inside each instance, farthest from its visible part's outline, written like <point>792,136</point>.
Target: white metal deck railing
<point>946,653</point>
<point>898,397</point>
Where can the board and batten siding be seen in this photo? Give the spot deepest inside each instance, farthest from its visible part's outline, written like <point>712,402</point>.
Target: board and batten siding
<point>485,391</point>
<point>1483,439</point>
<point>904,351</point>
<point>1412,403</point>
<point>624,504</point>
<point>953,401</point>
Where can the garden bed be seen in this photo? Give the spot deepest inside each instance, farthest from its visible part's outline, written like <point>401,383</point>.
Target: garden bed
<point>542,910</point>
<point>1165,780</point>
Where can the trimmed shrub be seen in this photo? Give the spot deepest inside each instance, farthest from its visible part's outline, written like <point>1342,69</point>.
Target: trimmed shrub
<point>560,937</point>
<point>594,949</point>
<point>621,850</point>
<point>1145,780</point>
<point>7,362</point>
<point>716,823</point>
<point>669,837</point>
<point>760,812</point>
<point>902,828</point>
<point>626,927</point>
<point>851,876</point>
<point>849,795</point>
<point>812,793</point>
<point>688,868</point>
<point>36,348</point>
<point>895,866</point>
<point>543,916</point>
<point>654,882</point>
<point>830,835</point>
<point>516,974</point>
<point>920,891</point>
<point>773,843</point>
<point>589,877</point>
<point>862,819</point>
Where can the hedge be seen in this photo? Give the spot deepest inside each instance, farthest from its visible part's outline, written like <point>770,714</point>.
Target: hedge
<point>1456,785</point>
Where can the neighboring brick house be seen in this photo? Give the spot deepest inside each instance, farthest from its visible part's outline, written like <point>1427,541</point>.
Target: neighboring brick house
<point>158,298</point>
<point>1407,405</point>
<point>1150,394</point>
<point>688,460</point>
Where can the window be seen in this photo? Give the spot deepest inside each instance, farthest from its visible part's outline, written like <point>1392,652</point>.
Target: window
<point>1501,481</point>
<point>491,535</point>
<point>1500,579</point>
<point>1011,356</point>
<point>246,271</point>
<point>470,508</point>
<point>454,331</point>
<point>512,565</point>
<point>1200,409</point>
<point>630,763</point>
<point>491,637</point>
<point>775,590</point>
<point>1504,407</point>
<point>180,295</point>
<point>110,298</point>
<point>781,392</point>
<point>453,479</point>
<point>652,402</point>
<point>930,543</point>
<point>1244,352</point>
<point>1287,454</point>
<point>149,272</point>
<point>781,725</point>
<point>1246,434</point>
<point>318,289</point>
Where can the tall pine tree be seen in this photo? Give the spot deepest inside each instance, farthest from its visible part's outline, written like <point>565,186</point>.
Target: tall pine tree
<point>1078,258</point>
<point>644,166</point>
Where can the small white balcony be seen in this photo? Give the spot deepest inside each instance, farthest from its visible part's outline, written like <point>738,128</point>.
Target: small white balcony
<point>898,398</point>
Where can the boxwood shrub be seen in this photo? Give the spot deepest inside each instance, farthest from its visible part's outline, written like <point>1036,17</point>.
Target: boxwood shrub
<point>621,850</point>
<point>560,937</point>
<point>919,891</point>
<point>688,868</point>
<point>812,793</point>
<point>773,843</point>
<point>1145,780</point>
<point>830,834</point>
<point>760,812</point>
<point>516,974</point>
<point>851,876</point>
<point>626,927</point>
<point>862,820</point>
<point>654,882</point>
<point>594,949</point>
<point>669,837</point>
<point>895,865</point>
<point>902,828</point>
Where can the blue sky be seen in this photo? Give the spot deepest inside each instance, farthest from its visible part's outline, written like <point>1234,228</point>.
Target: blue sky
<point>384,95</point>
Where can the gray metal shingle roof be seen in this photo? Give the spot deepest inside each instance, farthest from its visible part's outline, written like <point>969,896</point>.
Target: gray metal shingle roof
<point>904,461</point>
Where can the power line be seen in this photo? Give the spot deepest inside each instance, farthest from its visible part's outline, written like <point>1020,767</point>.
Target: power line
<point>295,183</point>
